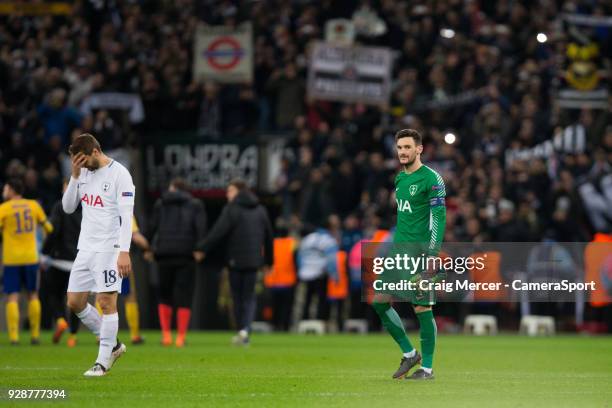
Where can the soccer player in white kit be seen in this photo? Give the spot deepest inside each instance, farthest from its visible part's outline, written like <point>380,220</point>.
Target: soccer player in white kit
<point>106,193</point>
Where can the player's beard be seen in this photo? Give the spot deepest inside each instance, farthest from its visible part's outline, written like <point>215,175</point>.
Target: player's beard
<point>95,165</point>
<point>409,162</point>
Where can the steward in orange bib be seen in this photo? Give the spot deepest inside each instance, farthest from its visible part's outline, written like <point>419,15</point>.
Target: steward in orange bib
<point>281,278</point>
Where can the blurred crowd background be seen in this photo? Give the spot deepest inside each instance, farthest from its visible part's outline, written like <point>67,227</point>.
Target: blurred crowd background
<point>339,162</point>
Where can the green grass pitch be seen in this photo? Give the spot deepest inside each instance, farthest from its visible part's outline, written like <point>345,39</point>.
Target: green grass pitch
<point>332,370</point>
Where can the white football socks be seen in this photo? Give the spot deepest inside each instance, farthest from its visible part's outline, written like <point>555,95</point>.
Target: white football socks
<point>108,338</point>
<point>91,318</point>
<point>427,370</point>
<point>410,353</point>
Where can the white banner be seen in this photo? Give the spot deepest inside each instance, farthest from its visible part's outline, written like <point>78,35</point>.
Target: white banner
<point>115,100</point>
<point>592,21</point>
<point>570,140</point>
<point>223,54</point>
<point>574,99</point>
<point>350,74</point>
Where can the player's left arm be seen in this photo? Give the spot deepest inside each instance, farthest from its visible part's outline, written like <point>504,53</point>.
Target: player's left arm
<point>41,217</point>
<point>125,203</point>
<point>137,238</point>
<point>437,207</point>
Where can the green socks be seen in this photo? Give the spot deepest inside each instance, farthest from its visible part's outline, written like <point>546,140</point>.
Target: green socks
<point>393,324</point>
<point>428,332</point>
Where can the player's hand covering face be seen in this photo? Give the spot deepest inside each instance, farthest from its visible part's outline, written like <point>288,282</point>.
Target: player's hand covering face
<point>79,161</point>
<point>90,162</point>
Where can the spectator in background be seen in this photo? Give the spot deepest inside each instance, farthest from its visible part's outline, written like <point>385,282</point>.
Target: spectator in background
<point>108,133</point>
<point>81,80</point>
<point>151,94</point>
<point>297,179</point>
<point>245,230</point>
<point>317,257</point>
<point>241,117</point>
<point>566,209</point>
<point>344,188</point>
<point>316,204</point>
<point>351,233</point>
<point>288,88</point>
<point>50,185</point>
<point>57,118</point>
<point>509,229</point>
<point>177,223</point>
<point>209,124</point>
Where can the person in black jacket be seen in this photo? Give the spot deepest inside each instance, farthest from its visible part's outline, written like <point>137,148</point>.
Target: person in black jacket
<point>60,248</point>
<point>246,232</point>
<point>177,224</point>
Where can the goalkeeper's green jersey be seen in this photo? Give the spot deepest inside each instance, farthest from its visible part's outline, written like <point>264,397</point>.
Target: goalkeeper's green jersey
<point>421,209</point>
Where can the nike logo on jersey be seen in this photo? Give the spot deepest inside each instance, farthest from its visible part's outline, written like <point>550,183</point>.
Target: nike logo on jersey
<point>92,201</point>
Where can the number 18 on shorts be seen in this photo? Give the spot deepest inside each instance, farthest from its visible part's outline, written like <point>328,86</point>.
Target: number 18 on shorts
<point>95,272</point>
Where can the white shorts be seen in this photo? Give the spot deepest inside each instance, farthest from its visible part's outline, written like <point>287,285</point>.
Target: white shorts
<point>95,272</point>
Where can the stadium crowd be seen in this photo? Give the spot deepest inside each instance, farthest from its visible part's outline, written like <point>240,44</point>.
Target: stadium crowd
<point>340,163</point>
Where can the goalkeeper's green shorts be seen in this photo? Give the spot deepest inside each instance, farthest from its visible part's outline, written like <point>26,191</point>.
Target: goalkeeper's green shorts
<point>420,297</point>
<point>417,296</point>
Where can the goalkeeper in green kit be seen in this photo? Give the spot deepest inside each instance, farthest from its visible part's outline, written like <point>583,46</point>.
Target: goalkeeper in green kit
<point>421,220</point>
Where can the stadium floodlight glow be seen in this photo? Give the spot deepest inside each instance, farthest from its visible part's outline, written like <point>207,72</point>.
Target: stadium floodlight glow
<point>447,33</point>
<point>450,138</point>
<point>542,38</point>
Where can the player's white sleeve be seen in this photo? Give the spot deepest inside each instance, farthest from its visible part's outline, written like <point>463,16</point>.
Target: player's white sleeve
<point>125,238</point>
<point>70,199</point>
<point>125,200</point>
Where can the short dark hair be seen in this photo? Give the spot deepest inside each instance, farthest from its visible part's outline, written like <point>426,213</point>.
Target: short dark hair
<point>239,184</point>
<point>16,184</point>
<point>418,139</point>
<point>180,184</point>
<point>85,144</point>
